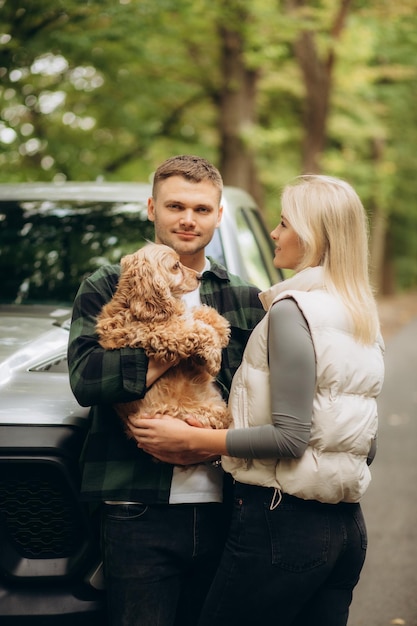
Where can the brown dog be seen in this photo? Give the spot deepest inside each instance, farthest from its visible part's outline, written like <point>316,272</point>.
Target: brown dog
<point>146,311</point>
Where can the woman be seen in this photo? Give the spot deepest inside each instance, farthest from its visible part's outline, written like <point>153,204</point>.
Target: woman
<point>305,421</point>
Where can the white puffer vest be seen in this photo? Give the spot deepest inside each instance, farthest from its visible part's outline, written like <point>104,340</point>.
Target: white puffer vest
<point>349,378</point>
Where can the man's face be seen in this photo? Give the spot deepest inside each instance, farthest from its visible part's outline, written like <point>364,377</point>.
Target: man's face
<point>185,214</point>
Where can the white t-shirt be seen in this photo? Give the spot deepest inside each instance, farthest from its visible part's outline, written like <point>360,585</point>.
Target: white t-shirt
<point>203,482</point>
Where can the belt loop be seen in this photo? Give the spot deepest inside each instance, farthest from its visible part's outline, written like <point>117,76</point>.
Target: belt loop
<point>276,499</point>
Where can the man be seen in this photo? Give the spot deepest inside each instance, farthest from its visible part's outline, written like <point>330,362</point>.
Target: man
<point>163,526</point>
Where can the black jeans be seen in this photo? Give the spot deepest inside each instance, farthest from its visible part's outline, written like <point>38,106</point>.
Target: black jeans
<point>294,564</point>
<point>159,561</point>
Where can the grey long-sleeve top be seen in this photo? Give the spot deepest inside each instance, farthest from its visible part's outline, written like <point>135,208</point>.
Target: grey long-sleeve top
<point>293,376</point>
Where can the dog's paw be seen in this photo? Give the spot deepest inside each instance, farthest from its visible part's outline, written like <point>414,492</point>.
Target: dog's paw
<point>204,313</point>
<point>222,327</point>
<point>170,347</point>
<point>212,359</point>
<point>211,317</point>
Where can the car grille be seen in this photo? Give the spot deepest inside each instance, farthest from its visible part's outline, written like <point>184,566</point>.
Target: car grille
<point>44,530</point>
<point>38,511</point>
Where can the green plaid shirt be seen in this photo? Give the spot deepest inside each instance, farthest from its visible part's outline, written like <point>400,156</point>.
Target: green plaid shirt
<point>113,467</point>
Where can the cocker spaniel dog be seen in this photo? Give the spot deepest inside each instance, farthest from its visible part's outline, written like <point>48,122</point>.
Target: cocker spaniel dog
<point>147,311</point>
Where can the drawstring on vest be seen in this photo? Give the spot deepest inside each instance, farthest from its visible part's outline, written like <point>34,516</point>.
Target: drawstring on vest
<point>276,499</point>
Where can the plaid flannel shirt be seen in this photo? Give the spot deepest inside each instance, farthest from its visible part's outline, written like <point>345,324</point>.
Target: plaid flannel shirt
<point>113,467</point>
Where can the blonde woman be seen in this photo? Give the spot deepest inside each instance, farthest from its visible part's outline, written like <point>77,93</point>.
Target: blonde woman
<point>304,423</point>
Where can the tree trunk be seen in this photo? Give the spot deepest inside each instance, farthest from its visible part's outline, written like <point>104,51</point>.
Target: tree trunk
<point>317,73</point>
<point>317,81</point>
<point>237,100</point>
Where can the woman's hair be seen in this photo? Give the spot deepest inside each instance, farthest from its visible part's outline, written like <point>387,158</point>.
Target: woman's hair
<point>195,169</point>
<point>331,222</point>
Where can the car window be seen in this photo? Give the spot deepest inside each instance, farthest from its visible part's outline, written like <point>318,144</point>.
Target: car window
<point>47,248</point>
<point>256,247</point>
<point>215,248</point>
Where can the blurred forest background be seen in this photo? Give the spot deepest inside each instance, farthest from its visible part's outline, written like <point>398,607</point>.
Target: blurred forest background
<point>266,89</point>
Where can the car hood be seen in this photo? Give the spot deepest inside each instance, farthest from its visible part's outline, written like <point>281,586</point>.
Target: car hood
<point>34,384</point>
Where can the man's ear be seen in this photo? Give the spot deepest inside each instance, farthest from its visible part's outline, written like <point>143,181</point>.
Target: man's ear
<point>151,209</point>
<point>219,216</point>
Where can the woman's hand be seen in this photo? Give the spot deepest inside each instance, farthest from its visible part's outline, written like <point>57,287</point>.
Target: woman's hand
<point>160,432</point>
<point>176,441</point>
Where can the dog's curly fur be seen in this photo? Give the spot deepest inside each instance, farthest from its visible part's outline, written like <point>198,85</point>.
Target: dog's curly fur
<point>147,311</point>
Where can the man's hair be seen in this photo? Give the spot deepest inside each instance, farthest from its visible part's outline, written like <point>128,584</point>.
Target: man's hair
<point>193,168</point>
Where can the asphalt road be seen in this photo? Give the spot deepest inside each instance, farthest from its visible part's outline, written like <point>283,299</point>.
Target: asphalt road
<point>387,591</point>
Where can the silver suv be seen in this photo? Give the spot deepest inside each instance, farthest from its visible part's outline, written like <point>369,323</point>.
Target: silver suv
<point>51,236</point>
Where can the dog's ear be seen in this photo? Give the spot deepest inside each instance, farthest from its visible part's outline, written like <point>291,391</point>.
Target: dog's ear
<point>158,304</point>
<point>127,276</point>
<point>149,294</point>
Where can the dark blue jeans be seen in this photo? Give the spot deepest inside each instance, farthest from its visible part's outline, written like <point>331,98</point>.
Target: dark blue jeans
<point>296,564</point>
<point>160,560</point>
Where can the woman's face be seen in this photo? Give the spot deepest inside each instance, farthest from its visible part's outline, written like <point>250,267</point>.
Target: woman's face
<point>288,247</point>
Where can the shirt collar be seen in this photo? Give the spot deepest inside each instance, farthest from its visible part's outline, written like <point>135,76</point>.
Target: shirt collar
<point>215,268</point>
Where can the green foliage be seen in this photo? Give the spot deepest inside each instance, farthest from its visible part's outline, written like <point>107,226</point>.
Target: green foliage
<point>107,88</point>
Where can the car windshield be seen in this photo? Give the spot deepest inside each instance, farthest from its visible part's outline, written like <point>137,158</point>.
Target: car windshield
<point>52,237</point>
<point>48,247</point>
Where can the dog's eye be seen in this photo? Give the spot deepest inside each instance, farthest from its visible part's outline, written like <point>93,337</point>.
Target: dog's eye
<point>176,266</point>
